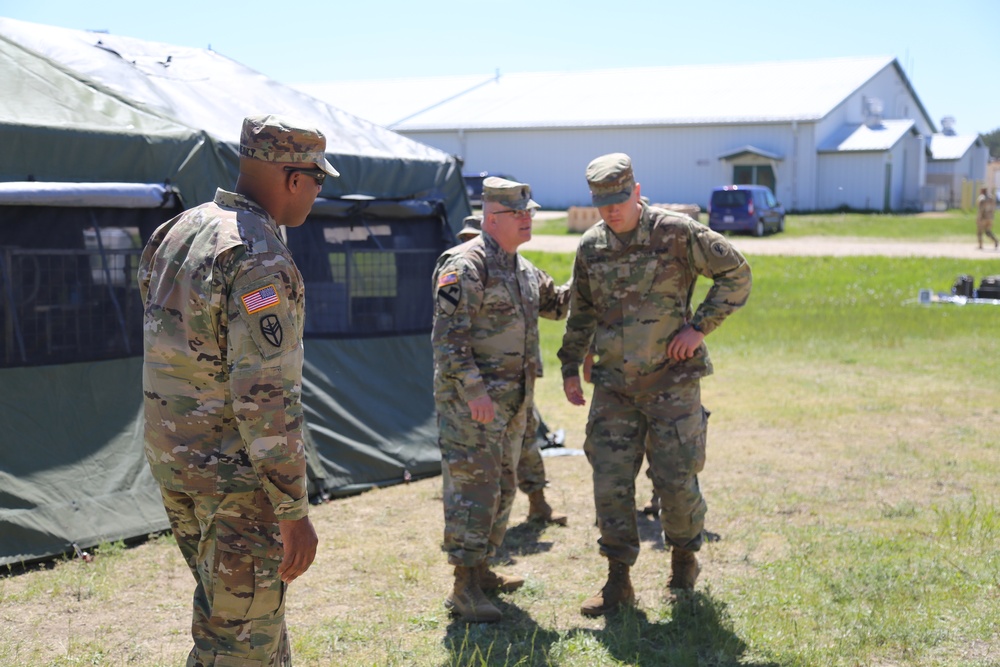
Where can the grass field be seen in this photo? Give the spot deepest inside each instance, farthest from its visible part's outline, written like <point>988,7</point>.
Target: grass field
<point>950,226</point>
<point>851,481</point>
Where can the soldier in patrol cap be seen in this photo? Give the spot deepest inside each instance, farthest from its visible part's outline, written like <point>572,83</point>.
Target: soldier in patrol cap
<point>472,226</point>
<point>222,382</point>
<point>485,340</point>
<point>531,467</point>
<point>633,278</point>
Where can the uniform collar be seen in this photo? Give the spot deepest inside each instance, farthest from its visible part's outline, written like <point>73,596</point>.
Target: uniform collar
<point>239,202</point>
<point>500,256</point>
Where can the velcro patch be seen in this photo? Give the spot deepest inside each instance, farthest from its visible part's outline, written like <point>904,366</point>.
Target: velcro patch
<point>449,278</point>
<point>265,297</point>
<point>448,298</point>
<point>720,249</point>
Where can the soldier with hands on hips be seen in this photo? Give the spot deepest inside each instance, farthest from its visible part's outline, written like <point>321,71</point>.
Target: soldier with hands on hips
<point>633,278</point>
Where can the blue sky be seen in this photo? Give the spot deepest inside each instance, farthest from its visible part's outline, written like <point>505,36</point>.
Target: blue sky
<point>950,51</point>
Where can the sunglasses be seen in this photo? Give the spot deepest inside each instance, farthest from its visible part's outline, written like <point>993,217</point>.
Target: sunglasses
<point>317,174</point>
<point>517,213</point>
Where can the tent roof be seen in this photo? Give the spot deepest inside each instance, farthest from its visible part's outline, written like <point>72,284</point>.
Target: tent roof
<point>728,93</point>
<point>203,89</point>
<point>61,81</point>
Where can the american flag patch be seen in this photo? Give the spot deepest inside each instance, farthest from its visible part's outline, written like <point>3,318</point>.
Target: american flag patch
<point>448,279</point>
<point>263,298</point>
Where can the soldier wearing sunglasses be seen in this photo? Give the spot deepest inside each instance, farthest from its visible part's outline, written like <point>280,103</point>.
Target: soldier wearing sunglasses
<point>222,383</point>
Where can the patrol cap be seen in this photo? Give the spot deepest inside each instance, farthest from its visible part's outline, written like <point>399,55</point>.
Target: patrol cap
<point>509,193</point>
<point>275,139</point>
<point>610,179</point>
<point>473,226</point>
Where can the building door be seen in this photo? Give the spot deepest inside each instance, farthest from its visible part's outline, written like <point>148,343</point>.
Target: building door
<point>754,174</point>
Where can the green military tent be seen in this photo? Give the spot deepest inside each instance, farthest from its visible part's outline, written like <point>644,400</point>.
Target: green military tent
<point>105,137</point>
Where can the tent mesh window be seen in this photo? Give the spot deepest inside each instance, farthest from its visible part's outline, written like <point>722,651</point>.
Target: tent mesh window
<point>367,266</point>
<point>68,290</point>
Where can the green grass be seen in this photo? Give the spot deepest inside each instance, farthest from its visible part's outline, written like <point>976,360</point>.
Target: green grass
<point>851,478</point>
<point>835,357</point>
<point>953,226</point>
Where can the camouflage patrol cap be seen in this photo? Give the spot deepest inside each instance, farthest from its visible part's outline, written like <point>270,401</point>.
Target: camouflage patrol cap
<point>473,226</point>
<point>274,139</point>
<point>509,193</point>
<point>610,179</point>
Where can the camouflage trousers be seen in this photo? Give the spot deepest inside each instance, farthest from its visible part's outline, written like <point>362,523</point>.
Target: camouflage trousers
<point>232,544</point>
<point>479,470</point>
<point>670,427</point>
<point>530,467</point>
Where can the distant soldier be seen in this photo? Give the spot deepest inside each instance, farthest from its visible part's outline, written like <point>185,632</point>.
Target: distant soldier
<point>633,278</point>
<point>222,381</point>
<point>485,339</point>
<point>986,209</point>
<point>531,468</point>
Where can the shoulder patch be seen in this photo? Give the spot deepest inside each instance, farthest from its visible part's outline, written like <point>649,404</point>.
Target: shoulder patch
<point>261,299</point>
<point>720,249</point>
<point>449,278</point>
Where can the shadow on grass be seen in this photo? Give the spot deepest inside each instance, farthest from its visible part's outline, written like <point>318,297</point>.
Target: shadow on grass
<point>515,640</point>
<point>698,633</point>
<point>522,540</point>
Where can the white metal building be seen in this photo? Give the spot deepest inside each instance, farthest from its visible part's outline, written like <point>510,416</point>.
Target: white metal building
<point>842,132</point>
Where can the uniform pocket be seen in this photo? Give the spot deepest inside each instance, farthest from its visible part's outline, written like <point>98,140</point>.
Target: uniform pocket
<point>691,434</point>
<point>248,553</point>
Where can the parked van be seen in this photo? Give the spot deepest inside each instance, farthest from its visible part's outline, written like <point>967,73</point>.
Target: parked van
<point>745,208</point>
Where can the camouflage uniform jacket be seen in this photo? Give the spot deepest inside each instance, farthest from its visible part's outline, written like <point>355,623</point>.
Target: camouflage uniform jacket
<point>222,373</point>
<point>629,301</point>
<point>485,333</point>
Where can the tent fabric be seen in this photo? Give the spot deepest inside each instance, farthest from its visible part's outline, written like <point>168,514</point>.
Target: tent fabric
<point>79,107</point>
<point>385,433</point>
<point>204,90</point>
<point>69,469</point>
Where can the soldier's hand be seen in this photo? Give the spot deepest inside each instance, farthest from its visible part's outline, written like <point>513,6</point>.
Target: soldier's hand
<point>588,364</point>
<point>300,540</point>
<point>574,390</point>
<point>685,343</point>
<point>482,409</point>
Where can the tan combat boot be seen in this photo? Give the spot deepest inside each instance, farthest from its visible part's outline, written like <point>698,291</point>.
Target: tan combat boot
<point>491,581</point>
<point>467,599</point>
<point>541,511</point>
<point>684,570</point>
<point>616,592</point>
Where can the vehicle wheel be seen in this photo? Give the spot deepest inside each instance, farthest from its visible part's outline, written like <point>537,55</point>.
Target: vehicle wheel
<point>759,230</point>
<point>781,224</point>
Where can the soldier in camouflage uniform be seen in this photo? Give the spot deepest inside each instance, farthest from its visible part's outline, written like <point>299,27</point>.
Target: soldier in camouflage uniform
<point>531,467</point>
<point>985,210</point>
<point>485,338</point>
<point>222,381</point>
<point>633,278</point>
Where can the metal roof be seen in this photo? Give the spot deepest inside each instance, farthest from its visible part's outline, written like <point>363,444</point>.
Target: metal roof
<point>804,90</point>
<point>854,138</point>
<point>951,146</point>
